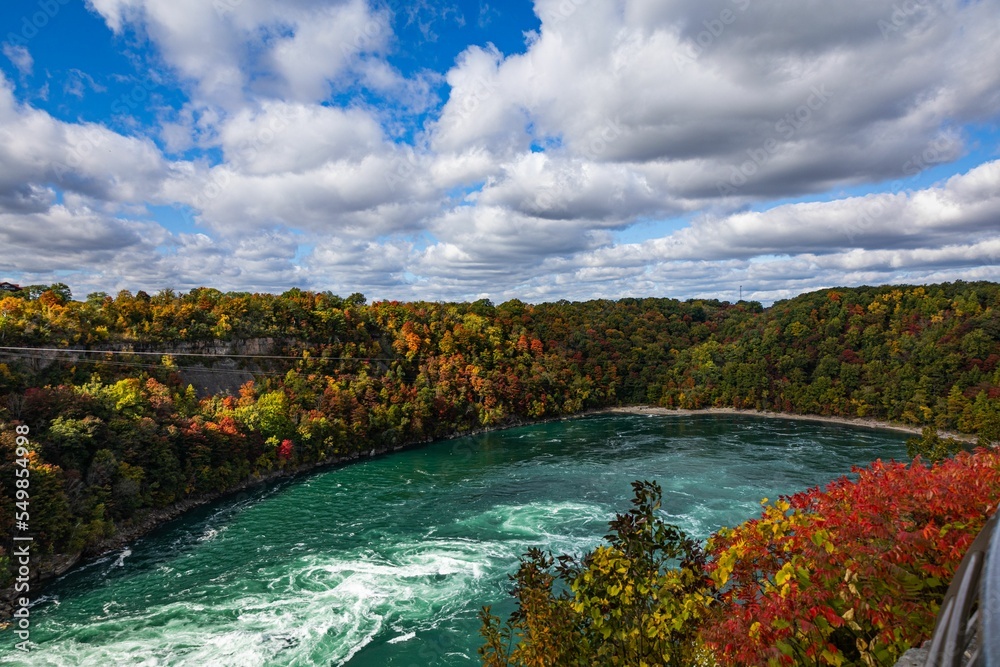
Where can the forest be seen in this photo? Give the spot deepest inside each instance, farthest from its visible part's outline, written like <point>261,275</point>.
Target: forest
<point>119,431</point>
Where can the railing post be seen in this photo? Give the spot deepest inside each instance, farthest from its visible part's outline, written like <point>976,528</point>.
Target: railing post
<point>967,631</point>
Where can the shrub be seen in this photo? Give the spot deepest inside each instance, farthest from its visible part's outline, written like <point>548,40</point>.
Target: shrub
<point>637,600</point>
<point>853,574</point>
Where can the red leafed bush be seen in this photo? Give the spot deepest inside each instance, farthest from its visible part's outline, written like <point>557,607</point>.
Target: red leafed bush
<point>285,450</point>
<point>852,574</point>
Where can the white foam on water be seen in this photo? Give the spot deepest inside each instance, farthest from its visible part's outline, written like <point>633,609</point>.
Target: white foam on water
<point>320,608</point>
<point>323,608</point>
<point>54,599</point>
<point>121,558</point>
<point>551,523</point>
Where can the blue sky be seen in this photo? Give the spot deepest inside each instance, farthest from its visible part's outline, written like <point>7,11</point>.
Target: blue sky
<point>84,72</point>
<point>538,150</point>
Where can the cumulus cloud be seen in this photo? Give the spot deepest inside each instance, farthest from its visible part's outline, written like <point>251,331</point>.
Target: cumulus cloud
<point>966,206</point>
<point>811,95</point>
<point>576,189</point>
<point>944,232</point>
<point>282,137</point>
<point>235,50</point>
<point>304,157</point>
<point>39,151</point>
<point>949,229</point>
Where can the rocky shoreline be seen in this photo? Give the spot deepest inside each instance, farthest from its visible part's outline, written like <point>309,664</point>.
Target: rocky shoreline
<point>847,421</point>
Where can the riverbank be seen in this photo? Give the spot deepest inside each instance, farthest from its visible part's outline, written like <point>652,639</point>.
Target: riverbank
<point>847,421</point>
<point>49,568</point>
<point>52,567</point>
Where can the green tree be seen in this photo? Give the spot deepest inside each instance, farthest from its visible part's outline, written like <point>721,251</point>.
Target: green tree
<point>635,600</point>
<point>932,447</point>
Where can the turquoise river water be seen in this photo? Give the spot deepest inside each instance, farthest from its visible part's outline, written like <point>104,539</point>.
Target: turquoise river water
<point>386,562</point>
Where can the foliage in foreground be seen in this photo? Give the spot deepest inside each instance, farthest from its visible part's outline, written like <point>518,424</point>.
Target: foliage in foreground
<point>634,601</point>
<point>849,575</point>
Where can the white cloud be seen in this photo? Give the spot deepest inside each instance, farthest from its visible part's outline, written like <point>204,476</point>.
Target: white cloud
<point>815,90</point>
<point>79,82</point>
<point>20,56</point>
<point>639,111</point>
<point>85,158</point>
<point>284,137</point>
<point>236,50</point>
<point>536,184</point>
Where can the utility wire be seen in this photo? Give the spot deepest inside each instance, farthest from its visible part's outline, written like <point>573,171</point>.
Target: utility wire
<point>409,375</point>
<point>193,354</point>
<point>140,365</point>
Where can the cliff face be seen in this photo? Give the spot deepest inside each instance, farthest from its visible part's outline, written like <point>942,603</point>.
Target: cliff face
<point>207,374</point>
<point>222,377</point>
<point>226,374</point>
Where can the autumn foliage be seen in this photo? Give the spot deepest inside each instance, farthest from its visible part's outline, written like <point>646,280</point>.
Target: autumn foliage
<point>853,574</point>
<point>849,575</point>
<point>118,437</point>
<point>636,601</point>
<point>285,450</point>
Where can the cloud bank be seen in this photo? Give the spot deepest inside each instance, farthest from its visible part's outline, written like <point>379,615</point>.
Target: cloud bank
<point>636,147</point>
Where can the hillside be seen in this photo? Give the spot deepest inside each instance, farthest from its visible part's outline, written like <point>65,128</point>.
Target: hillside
<point>117,438</point>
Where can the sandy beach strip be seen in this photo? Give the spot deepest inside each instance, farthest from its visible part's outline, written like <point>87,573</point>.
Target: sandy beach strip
<point>858,421</point>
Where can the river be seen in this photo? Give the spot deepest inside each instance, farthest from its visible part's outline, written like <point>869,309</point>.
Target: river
<point>386,562</point>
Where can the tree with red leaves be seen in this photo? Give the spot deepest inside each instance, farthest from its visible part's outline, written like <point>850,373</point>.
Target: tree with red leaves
<point>853,574</point>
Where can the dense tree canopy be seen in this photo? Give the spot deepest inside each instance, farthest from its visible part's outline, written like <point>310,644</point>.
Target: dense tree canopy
<point>114,437</point>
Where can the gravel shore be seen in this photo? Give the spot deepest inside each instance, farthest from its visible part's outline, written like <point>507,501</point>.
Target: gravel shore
<point>859,421</point>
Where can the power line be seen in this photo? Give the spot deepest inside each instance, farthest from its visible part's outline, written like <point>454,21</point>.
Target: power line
<point>410,375</point>
<point>142,366</point>
<point>193,354</point>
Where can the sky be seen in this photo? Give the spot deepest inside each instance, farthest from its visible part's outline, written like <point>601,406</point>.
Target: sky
<point>556,149</point>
